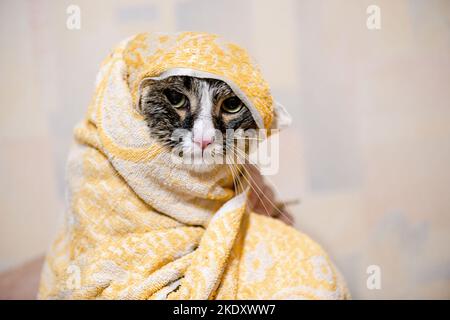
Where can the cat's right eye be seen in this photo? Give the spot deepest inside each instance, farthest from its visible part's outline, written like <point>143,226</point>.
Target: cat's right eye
<point>176,99</point>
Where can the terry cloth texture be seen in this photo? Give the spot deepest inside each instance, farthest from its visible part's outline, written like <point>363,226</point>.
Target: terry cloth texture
<point>139,226</point>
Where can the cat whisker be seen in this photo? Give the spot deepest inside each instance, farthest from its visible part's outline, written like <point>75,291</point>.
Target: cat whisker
<point>253,184</point>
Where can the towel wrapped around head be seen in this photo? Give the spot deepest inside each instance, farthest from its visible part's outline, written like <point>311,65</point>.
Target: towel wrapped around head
<point>140,226</point>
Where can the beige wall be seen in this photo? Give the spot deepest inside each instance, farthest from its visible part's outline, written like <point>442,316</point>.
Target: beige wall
<point>367,154</point>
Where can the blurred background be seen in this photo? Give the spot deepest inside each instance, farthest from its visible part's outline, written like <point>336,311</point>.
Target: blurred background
<point>367,155</point>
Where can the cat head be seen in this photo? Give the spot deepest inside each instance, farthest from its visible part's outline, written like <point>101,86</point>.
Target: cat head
<point>201,117</point>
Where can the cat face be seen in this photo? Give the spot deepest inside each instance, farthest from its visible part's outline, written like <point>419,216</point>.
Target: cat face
<point>188,113</point>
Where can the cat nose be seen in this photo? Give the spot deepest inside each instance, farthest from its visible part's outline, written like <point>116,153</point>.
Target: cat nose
<point>204,142</point>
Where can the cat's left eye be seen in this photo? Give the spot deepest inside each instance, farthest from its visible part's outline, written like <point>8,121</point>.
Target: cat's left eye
<point>232,105</point>
<point>176,99</point>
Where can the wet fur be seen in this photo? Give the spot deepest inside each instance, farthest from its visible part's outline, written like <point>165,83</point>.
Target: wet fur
<point>163,119</point>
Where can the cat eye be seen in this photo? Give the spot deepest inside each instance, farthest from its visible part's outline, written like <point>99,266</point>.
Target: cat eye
<point>232,105</point>
<point>176,99</point>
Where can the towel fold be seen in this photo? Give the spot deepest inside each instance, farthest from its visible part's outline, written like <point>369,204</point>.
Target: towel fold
<point>140,226</point>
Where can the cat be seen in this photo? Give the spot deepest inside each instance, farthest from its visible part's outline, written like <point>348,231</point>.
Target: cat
<point>189,113</point>
<point>202,108</point>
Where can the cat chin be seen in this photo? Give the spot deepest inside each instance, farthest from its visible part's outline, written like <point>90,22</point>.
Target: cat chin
<point>199,166</point>
<point>196,162</point>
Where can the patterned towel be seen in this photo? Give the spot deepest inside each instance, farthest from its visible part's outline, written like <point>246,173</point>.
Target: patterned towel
<point>140,226</point>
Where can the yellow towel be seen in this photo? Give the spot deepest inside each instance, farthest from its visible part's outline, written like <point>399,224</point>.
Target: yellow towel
<point>139,226</point>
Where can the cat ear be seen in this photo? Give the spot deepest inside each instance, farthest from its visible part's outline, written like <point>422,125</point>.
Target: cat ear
<point>144,83</point>
<point>282,119</point>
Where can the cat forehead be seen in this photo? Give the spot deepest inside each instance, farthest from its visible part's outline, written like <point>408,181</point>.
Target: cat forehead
<point>186,83</point>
